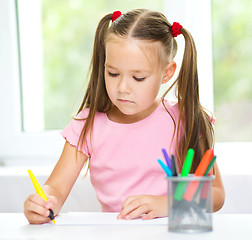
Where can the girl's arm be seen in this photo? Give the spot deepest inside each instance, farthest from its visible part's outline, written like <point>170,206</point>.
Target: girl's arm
<point>157,206</point>
<point>57,186</point>
<point>218,190</point>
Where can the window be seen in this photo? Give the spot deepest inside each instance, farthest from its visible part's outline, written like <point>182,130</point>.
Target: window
<point>232,69</point>
<point>59,49</point>
<point>45,51</point>
<point>224,78</point>
<point>232,82</point>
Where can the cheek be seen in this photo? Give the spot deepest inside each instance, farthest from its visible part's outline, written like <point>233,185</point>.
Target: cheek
<point>107,86</point>
<point>110,88</point>
<point>148,93</point>
<point>153,88</point>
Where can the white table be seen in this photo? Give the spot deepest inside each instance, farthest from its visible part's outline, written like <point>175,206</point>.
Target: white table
<point>15,226</point>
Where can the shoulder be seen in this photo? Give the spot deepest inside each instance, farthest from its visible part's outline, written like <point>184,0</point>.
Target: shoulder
<point>171,107</point>
<point>79,121</point>
<point>74,127</point>
<point>82,115</point>
<point>72,132</point>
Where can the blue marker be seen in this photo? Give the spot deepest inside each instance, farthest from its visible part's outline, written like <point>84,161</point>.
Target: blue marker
<point>167,159</point>
<point>165,168</point>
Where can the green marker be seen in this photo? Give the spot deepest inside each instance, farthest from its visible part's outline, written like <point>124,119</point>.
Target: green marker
<point>210,166</point>
<point>206,173</point>
<point>188,163</point>
<point>184,173</point>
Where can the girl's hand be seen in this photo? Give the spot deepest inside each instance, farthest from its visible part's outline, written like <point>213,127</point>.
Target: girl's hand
<point>36,209</point>
<point>144,206</point>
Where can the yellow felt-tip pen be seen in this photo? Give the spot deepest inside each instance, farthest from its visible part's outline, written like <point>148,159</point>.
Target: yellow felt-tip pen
<point>40,192</point>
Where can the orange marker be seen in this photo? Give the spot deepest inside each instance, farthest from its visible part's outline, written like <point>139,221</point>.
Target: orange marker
<point>200,171</point>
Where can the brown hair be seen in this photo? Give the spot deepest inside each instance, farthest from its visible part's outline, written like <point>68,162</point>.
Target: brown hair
<point>153,26</point>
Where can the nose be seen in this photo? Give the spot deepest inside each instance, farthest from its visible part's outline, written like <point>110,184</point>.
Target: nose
<point>123,85</point>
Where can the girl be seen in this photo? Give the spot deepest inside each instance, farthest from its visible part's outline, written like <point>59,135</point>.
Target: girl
<point>122,125</point>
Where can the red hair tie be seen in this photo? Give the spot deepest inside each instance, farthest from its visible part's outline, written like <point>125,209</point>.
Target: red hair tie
<point>115,15</point>
<point>176,29</point>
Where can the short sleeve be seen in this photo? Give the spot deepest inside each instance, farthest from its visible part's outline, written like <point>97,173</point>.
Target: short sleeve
<point>73,130</point>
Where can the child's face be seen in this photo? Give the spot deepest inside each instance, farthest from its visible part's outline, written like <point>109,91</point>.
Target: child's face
<point>132,74</point>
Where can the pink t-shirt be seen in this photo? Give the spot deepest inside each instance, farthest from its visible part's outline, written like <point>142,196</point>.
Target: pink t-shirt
<point>123,157</point>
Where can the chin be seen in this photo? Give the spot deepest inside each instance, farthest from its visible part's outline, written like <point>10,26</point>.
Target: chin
<point>128,113</point>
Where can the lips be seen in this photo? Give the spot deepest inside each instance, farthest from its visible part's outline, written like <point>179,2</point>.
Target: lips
<point>125,101</point>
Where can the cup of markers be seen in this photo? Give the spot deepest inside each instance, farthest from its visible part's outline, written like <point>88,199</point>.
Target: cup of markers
<point>189,195</point>
<point>190,211</point>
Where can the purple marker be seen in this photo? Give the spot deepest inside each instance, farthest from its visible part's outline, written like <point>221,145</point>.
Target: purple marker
<point>167,159</point>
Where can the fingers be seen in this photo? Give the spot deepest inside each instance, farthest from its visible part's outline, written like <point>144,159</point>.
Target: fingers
<point>51,203</point>
<point>137,206</point>
<point>36,209</point>
<point>34,218</point>
<point>150,215</point>
<point>129,200</point>
<point>144,206</point>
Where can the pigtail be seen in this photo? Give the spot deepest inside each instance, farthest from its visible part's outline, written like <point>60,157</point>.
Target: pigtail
<point>195,122</point>
<point>96,68</point>
<point>96,98</point>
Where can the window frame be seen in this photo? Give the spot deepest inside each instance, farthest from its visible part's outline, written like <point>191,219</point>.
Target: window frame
<point>16,146</point>
<point>43,148</point>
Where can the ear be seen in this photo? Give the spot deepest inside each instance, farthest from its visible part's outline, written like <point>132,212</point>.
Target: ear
<point>169,71</point>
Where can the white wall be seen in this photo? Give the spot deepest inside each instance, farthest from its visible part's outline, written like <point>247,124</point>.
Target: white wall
<point>16,186</point>
<point>238,194</point>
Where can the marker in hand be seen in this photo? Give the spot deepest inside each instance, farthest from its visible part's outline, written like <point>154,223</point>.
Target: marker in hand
<point>40,192</point>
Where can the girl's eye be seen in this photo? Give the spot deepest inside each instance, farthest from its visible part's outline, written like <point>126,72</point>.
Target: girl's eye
<point>113,74</point>
<point>139,79</point>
